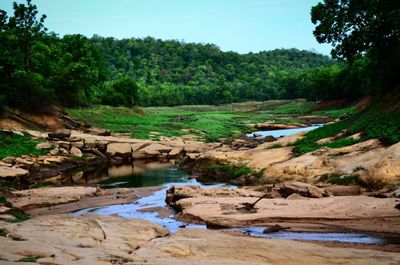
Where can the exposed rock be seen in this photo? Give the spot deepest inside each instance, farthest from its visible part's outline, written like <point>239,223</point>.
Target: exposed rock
<point>54,151</point>
<point>12,172</point>
<point>274,228</point>
<point>4,209</point>
<point>276,126</point>
<point>176,193</point>
<point>119,149</point>
<point>61,134</point>
<point>93,239</point>
<point>269,138</point>
<point>227,211</point>
<point>28,199</point>
<point>295,196</point>
<point>152,150</point>
<point>256,134</point>
<point>98,131</point>
<point>64,151</point>
<point>303,189</point>
<point>8,160</point>
<point>175,151</point>
<point>44,146</point>
<point>137,146</point>
<point>76,152</point>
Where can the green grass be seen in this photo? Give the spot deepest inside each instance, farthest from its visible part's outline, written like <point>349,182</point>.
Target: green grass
<point>338,179</point>
<point>336,113</point>
<point>16,145</point>
<point>17,213</point>
<point>29,259</point>
<point>209,122</point>
<point>371,123</point>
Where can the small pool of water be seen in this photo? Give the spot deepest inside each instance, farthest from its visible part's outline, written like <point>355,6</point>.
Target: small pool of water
<point>280,133</point>
<point>147,208</point>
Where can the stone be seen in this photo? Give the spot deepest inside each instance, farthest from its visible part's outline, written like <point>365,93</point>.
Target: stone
<point>303,189</point>
<point>9,160</point>
<point>266,126</point>
<point>256,134</point>
<point>137,146</point>
<point>175,151</point>
<point>35,198</point>
<point>274,229</point>
<point>12,172</point>
<point>269,138</point>
<point>4,209</point>
<point>76,152</point>
<point>55,151</point>
<point>152,151</point>
<point>119,149</point>
<point>295,196</point>
<point>64,151</point>
<point>77,177</point>
<point>44,146</point>
<point>60,134</point>
<point>79,144</point>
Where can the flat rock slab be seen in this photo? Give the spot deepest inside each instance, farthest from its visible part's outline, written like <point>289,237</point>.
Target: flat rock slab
<point>33,198</point>
<point>229,211</point>
<point>9,172</point>
<point>99,239</point>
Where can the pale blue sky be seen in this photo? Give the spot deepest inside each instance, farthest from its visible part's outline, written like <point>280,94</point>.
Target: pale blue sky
<point>237,25</point>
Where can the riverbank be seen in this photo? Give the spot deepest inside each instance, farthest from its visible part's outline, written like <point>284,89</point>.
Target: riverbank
<point>344,192</point>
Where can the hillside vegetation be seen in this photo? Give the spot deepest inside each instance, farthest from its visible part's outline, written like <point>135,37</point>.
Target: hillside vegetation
<point>39,68</point>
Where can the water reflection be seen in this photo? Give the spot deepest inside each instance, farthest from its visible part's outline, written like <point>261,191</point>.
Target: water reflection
<point>280,133</point>
<point>135,174</point>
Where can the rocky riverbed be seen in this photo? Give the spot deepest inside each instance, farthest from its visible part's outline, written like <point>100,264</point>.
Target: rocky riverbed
<point>299,201</point>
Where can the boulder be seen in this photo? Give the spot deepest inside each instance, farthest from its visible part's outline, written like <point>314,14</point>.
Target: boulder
<point>54,151</point>
<point>76,152</point>
<point>276,126</point>
<point>28,199</point>
<point>61,134</point>
<point>119,149</point>
<point>44,146</point>
<point>137,146</point>
<point>12,172</point>
<point>151,151</point>
<point>175,151</point>
<point>300,188</point>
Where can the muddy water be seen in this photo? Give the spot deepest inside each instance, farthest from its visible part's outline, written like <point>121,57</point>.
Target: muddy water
<point>153,208</point>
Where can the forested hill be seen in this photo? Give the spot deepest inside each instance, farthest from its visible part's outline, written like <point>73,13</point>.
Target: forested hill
<point>38,68</point>
<point>173,73</point>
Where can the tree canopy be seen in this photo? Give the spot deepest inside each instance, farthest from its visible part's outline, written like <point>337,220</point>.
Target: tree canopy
<point>357,29</point>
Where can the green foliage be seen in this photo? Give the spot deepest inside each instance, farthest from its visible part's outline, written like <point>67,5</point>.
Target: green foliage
<point>374,123</point>
<point>171,73</point>
<point>338,179</point>
<point>358,29</point>
<point>120,92</point>
<point>222,172</point>
<point>29,259</point>
<point>15,145</point>
<point>210,125</point>
<point>38,68</point>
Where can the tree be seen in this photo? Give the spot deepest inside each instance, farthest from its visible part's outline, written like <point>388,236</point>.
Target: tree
<point>27,28</point>
<point>358,28</point>
<point>123,91</point>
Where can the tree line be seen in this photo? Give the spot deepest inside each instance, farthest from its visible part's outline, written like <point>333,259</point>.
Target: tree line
<point>38,68</point>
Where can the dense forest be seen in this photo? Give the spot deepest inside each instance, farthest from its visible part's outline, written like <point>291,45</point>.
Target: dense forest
<point>38,68</point>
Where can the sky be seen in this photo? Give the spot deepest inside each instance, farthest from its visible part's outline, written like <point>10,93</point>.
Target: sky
<point>233,25</point>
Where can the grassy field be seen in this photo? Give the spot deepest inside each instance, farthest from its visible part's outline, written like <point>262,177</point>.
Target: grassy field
<point>15,145</point>
<point>208,122</point>
<point>373,124</point>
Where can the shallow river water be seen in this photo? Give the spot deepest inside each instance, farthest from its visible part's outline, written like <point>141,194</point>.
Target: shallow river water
<point>167,175</point>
